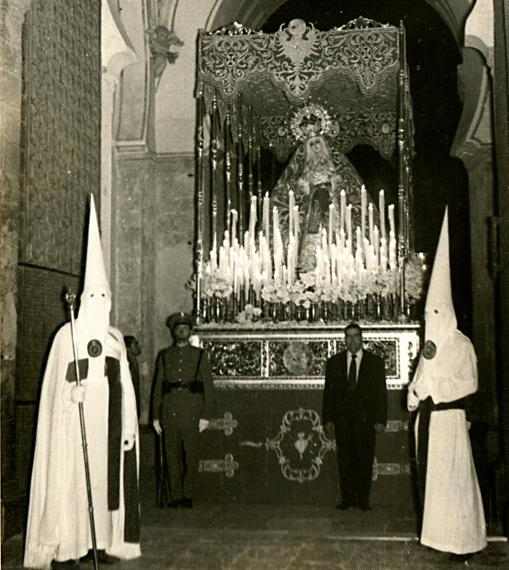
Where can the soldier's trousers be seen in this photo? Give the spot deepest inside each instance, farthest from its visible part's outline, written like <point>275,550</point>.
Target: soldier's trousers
<point>181,446</point>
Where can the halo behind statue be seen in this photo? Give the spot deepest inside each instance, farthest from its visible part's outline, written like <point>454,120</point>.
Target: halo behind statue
<point>310,121</point>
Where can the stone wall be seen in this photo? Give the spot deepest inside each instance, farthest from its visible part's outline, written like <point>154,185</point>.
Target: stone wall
<point>152,243</point>
<point>53,66</point>
<point>174,235</point>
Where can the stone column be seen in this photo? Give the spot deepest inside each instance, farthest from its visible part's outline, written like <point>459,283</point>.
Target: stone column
<point>501,109</point>
<point>133,190</point>
<point>473,145</point>
<point>11,20</point>
<point>116,53</point>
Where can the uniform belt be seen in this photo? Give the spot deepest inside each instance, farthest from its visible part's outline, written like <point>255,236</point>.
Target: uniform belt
<point>191,386</point>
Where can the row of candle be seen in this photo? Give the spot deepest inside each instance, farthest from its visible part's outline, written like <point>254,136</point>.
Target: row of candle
<point>340,253</point>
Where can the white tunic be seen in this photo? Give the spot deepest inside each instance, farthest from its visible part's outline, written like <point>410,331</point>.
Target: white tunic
<point>453,518</point>
<point>58,525</point>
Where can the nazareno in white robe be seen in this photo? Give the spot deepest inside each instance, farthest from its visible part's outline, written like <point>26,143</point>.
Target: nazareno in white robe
<point>58,525</point>
<point>453,517</point>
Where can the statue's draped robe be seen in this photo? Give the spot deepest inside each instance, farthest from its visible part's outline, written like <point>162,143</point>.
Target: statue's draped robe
<point>58,525</point>
<point>315,186</point>
<point>453,516</point>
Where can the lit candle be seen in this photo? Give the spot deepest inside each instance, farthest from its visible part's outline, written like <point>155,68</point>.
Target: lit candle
<point>296,222</point>
<point>291,206</point>
<point>289,262</point>
<point>381,208</point>
<point>343,210</point>
<point>235,217</point>
<point>392,254</point>
<point>349,222</point>
<point>376,242</point>
<point>383,254</point>
<point>275,226</point>
<point>332,216</point>
<point>213,259</point>
<point>252,219</point>
<point>370,215</point>
<point>266,215</point>
<point>392,225</point>
<point>363,211</point>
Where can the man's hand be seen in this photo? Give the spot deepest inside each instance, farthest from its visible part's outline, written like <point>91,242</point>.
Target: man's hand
<point>412,400</point>
<point>203,425</point>
<point>156,424</point>
<point>78,394</point>
<point>379,428</point>
<point>328,428</point>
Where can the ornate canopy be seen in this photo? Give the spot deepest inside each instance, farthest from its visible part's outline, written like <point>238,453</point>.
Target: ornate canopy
<point>354,71</point>
<point>254,90</point>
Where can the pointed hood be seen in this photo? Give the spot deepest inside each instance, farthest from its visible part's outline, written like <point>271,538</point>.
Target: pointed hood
<point>95,271</point>
<point>440,316</point>
<point>95,303</point>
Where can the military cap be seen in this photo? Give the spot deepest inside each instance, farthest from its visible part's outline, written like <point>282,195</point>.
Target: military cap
<point>180,318</point>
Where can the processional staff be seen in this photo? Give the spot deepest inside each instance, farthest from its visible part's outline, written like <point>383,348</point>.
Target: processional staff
<point>70,298</point>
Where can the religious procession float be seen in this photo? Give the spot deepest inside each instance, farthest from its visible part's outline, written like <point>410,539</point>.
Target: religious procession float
<point>282,265</point>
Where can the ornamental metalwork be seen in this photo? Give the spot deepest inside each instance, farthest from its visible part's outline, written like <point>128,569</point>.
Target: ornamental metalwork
<point>271,357</point>
<point>235,358</point>
<point>385,469</point>
<point>300,445</point>
<point>347,131</point>
<point>228,465</point>
<point>227,423</point>
<point>297,358</point>
<point>298,58</point>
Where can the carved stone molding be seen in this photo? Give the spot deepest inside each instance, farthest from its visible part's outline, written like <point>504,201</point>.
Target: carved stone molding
<point>453,13</point>
<point>117,52</point>
<point>474,137</point>
<point>480,30</point>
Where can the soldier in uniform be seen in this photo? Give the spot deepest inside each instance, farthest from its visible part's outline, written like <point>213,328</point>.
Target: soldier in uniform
<point>183,401</point>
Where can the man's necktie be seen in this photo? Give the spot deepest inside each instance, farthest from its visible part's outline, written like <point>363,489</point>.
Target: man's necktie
<point>352,373</point>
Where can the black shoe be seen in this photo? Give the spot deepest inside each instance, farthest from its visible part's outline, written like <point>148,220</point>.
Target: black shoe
<point>174,504</point>
<point>186,503</point>
<point>105,558</point>
<point>56,564</point>
<point>102,557</point>
<point>460,558</point>
<point>365,507</point>
<point>344,506</point>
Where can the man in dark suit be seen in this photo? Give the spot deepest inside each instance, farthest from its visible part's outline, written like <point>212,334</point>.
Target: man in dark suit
<point>182,405</point>
<point>355,410</point>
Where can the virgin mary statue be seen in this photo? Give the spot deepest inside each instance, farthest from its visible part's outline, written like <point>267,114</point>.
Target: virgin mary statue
<point>316,175</point>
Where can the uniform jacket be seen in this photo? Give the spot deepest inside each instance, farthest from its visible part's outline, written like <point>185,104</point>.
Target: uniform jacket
<point>185,367</point>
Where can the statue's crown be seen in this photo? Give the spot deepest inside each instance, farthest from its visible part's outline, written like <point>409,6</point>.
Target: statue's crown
<point>310,121</point>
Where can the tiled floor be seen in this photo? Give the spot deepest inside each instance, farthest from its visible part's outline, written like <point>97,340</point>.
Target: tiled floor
<point>212,536</point>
